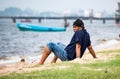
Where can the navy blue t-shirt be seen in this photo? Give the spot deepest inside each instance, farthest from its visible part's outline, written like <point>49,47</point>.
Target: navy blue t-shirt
<point>82,37</point>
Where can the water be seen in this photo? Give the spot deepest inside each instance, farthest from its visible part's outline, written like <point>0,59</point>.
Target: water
<point>15,44</point>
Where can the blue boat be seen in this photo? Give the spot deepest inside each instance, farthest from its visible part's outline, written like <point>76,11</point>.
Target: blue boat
<point>38,28</point>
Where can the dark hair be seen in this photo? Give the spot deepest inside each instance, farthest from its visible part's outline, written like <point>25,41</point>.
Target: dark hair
<point>79,23</point>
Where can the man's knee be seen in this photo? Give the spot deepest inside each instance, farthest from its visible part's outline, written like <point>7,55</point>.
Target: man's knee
<point>50,46</point>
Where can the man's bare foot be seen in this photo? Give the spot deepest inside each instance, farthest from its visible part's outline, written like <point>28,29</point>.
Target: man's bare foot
<point>53,61</point>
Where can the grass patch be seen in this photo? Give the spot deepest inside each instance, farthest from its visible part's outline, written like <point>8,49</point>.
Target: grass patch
<point>96,70</point>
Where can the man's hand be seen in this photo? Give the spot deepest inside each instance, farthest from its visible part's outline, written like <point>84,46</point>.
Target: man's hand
<point>92,51</point>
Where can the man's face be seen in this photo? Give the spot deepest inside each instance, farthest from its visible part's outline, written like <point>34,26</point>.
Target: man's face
<point>75,28</point>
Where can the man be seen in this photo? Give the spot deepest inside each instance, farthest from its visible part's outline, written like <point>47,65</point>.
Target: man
<point>74,50</point>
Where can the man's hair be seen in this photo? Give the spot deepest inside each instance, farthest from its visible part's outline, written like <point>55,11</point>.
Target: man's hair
<point>79,23</point>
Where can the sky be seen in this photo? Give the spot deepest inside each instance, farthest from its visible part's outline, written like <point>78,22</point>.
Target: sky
<point>61,5</point>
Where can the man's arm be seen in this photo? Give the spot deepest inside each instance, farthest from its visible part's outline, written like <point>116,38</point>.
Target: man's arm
<point>92,51</point>
<point>78,53</point>
<point>78,47</point>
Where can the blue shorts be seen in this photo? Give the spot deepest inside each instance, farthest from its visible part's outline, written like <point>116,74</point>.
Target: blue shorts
<point>59,50</point>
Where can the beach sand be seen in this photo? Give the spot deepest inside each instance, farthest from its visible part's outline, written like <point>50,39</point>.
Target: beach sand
<point>87,58</point>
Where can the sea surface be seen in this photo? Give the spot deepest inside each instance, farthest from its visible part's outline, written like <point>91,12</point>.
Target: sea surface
<point>15,44</point>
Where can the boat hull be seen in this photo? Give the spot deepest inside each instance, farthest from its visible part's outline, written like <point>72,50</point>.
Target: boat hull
<point>38,28</point>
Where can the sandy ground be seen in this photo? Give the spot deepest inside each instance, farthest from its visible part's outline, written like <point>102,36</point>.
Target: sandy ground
<point>27,67</point>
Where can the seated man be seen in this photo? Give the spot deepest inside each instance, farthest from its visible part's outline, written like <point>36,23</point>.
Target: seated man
<point>75,49</point>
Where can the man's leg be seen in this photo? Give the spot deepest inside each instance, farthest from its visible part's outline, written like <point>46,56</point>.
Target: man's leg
<point>44,55</point>
<point>54,59</point>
